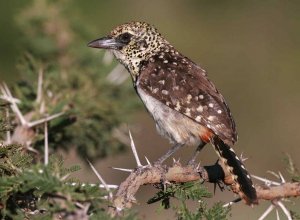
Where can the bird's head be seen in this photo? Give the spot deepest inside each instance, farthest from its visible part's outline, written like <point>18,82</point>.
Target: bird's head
<point>132,44</point>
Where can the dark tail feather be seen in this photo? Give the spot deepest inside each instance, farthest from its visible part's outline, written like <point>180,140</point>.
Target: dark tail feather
<point>237,168</point>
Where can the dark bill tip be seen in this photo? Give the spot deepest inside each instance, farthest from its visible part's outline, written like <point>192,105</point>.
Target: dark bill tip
<point>105,43</point>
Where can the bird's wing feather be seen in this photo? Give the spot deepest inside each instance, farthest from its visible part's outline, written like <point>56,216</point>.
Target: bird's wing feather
<point>183,86</point>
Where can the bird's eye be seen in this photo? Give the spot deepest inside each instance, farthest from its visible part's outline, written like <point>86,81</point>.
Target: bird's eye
<point>124,38</point>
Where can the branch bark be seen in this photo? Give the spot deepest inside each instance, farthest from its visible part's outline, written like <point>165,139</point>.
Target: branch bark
<point>125,196</point>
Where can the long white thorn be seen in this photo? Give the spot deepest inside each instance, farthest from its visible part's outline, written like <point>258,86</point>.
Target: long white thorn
<point>133,148</point>
<point>273,173</point>
<point>108,57</point>
<point>27,145</point>
<point>277,215</point>
<point>40,86</point>
<point>8,99</point>
<point>117,76</point>
<point>14,106</point>
<point>266,181</point>
<point>65,177</point>
<point>43,120</point>
<point>8,134</point>
<point>110,186</point>
<point>267,212</point>
<point>101,179</point>
<point>232,202</point>
<point>46,156</point>
<point>281,178</point>
<point>123,169</point>
<point>285,210</point>
<point>242,158</point>
<point>148,162</point>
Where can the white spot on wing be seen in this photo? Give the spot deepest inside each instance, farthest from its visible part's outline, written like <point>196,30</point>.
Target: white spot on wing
<point>187,113</point>
<point>198,118</point>
<point>155,90</point>
<point>165,92</point>
<point>178,107</point>
<point>161,82</point>
<point>211,118</point>
<point>200,108</point>
<point>189,97</point>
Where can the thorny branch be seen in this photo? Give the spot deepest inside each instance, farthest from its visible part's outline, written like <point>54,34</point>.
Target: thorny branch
<point>177,173</point>
<point>125,196</point>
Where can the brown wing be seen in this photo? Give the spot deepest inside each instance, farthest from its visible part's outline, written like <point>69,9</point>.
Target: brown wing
<point>182,85</point>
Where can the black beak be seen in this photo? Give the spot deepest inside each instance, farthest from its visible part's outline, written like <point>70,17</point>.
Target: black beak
<point>105,43</point>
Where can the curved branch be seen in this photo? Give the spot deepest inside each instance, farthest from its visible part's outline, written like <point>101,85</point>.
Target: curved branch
<point>177,173</point>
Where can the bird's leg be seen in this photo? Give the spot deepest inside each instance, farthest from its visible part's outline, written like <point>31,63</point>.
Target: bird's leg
<point>172,150</point>
<point>198,149</point>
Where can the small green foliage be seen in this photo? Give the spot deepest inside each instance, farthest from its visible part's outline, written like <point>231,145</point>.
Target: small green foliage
<point>291,168</point>
<point>295,215</point>
<point>184,192</point>
<point>192,190</point>
<point>38,188</point>
<point>4,117</point>
<point>12,159</point>
<point>74,81</point>
<point>216,212</point>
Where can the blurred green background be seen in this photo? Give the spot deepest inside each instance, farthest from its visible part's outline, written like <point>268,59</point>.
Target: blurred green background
<point>251,50</point>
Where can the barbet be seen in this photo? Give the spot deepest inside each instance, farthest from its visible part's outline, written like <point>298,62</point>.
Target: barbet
<point>185,105</point>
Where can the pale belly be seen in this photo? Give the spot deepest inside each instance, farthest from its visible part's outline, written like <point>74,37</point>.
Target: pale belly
<point>170,123</point>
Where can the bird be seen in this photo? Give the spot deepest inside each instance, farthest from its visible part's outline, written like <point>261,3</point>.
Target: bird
<point>186,106</point>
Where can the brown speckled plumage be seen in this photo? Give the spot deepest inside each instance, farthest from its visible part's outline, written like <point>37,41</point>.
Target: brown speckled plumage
<point>185,105</point>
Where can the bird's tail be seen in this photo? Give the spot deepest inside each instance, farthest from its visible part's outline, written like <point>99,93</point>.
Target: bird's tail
<point>243,183</point>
